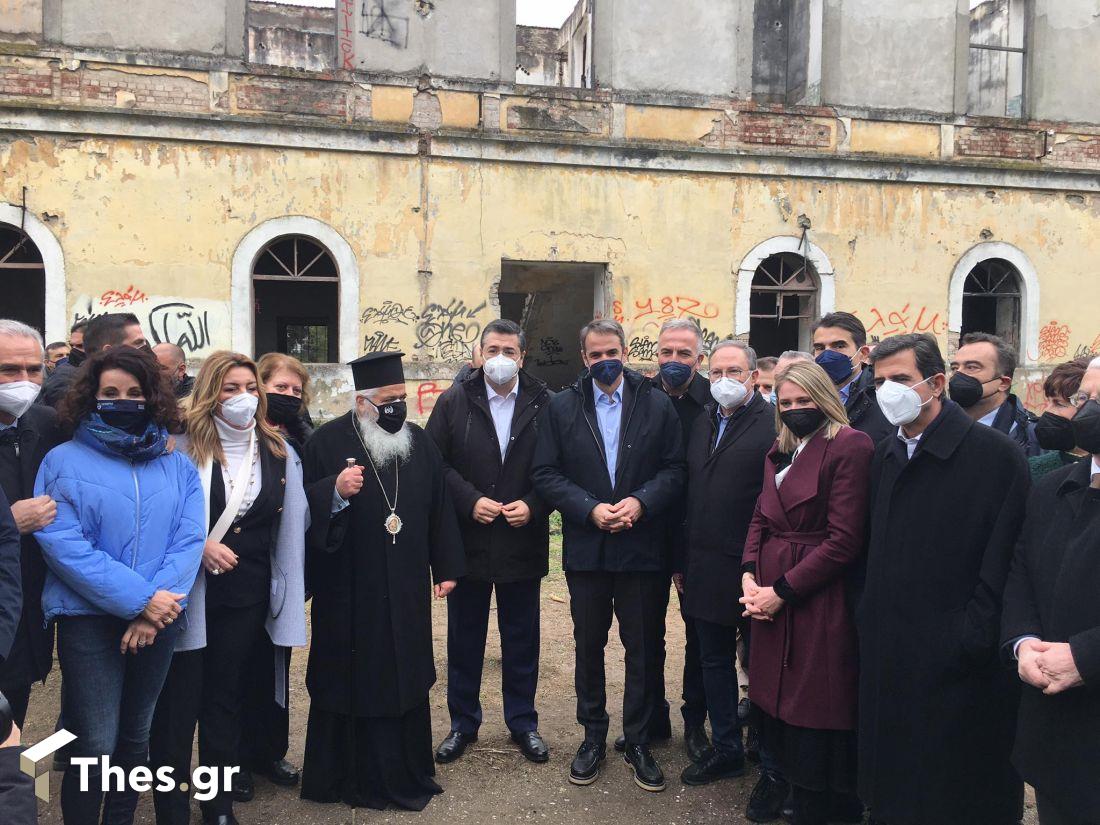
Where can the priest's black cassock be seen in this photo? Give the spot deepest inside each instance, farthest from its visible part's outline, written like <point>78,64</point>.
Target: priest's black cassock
<point>370,662</point>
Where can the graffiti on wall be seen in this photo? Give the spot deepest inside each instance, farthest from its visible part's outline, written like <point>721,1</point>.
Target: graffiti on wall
<point>1085,350</point>
<point>189,323</point>
<point>448,331</point>
<point>1053,341</point>
<point>345,32</point>
<point>389,312</point>
<point>663,308</point>
<point>549,353</point>
<point>426,394</point>
<point>886,322</point>
<point>380,342</point>
<point>380,23</point>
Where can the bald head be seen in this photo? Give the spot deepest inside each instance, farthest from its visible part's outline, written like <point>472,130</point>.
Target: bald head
<point>173,362</point>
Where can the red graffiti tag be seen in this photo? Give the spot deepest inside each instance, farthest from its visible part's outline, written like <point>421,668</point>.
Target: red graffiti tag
<point>123,297</point>
<point>426,395</point>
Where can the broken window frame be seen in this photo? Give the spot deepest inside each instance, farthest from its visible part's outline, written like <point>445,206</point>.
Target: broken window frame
<point>20,239</point>
<point>996,272</point>
<point>1022,50</point>
<point>294,271</point>
<point>782,287</point>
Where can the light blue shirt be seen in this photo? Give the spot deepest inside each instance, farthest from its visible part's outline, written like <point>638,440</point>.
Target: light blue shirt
<point>846,392</point>
<point>609,417</point>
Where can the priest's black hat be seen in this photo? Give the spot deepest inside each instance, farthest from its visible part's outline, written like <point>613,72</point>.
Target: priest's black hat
<point>378,369</point>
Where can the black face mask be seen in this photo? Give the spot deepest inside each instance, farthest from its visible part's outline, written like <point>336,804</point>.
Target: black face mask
<point>803,422</point>
<point>1055,432</point>
<point>76,357</point>
<point>1086,427</point>
<point>966,390</point>
<point>283,409</point>
<point>124,414</point>
<point>391,415</point>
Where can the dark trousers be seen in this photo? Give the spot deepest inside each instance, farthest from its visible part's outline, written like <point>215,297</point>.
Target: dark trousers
<point>694,709</point>
<point>467,626</point>
<point>717,651</point>
<point>18,695</point>
<point>173,733</point>
<point>265,728</point>
<point>635,599</point>
<point>108,703</point>
<point>1050,813</point>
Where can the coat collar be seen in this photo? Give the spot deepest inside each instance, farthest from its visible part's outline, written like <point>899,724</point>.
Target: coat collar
<point>698,388</point>
<point>942,437</point>
<point>748,414</point>
<point>1076,482</point>
<point>801,482</point>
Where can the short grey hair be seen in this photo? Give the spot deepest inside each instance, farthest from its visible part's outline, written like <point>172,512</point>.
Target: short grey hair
<point>733,343</point>
<point>796,355</point>
<point>17,329</point>
<point>603,326</point>
<point>686,325</point>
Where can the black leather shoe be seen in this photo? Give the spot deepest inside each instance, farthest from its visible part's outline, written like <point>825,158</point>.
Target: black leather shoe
<point>280,773</point>
<point>647,773</point>
<point>696,744</point>
<point>243,787</point>
<point>453,746</point>
<point>586,764</point>
<point>620,744</point>
<point>532,746</point>
<point>768,797</point>
<point>713,767</point>
<point>220,819</point>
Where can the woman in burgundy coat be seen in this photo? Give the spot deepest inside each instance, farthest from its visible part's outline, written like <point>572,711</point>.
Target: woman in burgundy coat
<point>806,534</point>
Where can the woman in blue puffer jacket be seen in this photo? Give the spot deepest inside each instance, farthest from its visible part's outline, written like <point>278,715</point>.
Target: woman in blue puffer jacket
<point>122,553</point>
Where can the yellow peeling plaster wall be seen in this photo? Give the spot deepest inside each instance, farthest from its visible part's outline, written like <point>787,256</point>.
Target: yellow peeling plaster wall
<point>165,218</point>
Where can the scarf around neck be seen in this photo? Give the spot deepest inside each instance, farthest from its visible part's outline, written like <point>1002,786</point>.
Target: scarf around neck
<point>144,446</point>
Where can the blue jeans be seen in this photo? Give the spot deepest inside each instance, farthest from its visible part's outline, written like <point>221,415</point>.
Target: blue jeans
<point>108,703</point>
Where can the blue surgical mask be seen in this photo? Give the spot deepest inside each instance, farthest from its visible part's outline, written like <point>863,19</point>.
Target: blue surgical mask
<point>123,414</point>
<point>607,372</point>
<point>772,399</point>
<point>837,365</point>
<point>675,374</point>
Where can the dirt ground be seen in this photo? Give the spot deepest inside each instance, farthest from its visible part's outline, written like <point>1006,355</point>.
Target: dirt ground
<point>493,783</point>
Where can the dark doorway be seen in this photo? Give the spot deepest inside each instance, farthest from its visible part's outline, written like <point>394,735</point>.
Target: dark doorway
<point>991,301</point>
<point>551,301</point>
<point>295,286</point>
<point>782,304</point>
<point>22,278</point>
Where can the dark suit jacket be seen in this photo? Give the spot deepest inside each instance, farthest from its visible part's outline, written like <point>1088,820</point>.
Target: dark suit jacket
<point>11,589</point>
<point>570,474</point>
<point>723,484</point>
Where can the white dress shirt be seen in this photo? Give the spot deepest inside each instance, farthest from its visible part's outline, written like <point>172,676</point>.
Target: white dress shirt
<point>502,408</point>
<point>910,443</point>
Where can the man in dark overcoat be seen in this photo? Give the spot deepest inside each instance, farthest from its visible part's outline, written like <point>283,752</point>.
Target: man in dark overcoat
<point>937,710</point>
<point>1051,629</point>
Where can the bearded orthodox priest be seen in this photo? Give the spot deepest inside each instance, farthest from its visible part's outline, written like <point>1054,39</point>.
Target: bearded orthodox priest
<point>383,530</point>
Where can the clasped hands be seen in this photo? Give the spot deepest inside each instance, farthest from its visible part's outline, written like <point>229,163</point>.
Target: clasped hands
<point>761,603</point>
<point>516,514</point>
<point>614,518</point>
<point>1048,666</point>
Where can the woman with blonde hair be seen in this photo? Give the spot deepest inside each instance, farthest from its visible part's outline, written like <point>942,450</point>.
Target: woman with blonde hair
<point>806,533</point>
<point>250,587</point>
<point>286,382</point>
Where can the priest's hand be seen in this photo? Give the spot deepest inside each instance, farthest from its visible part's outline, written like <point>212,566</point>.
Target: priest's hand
<point>603,516</point>
<point>1027,655</point>
<point>140,633</point>
<point>163,608</point>
<point>486,510</point>
<point>1056,663</point>
<point>517,513</point>
<point>443,589</point>
<point>217,558</point>
<point>32,514</point>
<point>349,482</point>
<point>626,513</point>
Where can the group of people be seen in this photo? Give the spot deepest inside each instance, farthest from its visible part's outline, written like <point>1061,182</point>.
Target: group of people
<point>899,556</point>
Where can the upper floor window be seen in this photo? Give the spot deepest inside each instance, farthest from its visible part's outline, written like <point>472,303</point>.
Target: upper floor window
<point>996,68</point>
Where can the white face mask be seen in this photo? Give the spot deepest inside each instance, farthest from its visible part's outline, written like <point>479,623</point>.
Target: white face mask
<point>501,369</point>
<point>16,397</point>
<point>900,404</point>
<point>729,393</point>
<point>240,410</point>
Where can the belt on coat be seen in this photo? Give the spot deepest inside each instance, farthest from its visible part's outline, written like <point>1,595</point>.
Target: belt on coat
<point>808,539</point>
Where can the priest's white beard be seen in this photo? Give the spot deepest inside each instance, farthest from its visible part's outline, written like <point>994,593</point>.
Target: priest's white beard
<point>384,447</point>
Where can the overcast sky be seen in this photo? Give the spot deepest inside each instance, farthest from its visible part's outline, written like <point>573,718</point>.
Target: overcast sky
<point>528,12</point>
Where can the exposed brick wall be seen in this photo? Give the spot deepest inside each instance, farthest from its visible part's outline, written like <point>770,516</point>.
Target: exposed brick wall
<point>301,97</point>
<point>21,79</point>
<point>783,130</point>
<point>160,92</point>
<point>1078,152</point>
<point>427,113</point>
<point>1009,144</point>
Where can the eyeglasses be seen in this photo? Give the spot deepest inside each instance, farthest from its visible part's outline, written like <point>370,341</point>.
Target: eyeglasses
<point>1082,398</point>
<point>735,373</point>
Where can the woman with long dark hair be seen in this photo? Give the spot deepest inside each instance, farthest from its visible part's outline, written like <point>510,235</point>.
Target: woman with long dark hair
<point>805,535</point>
<point>122,553</point>
<point>251,586</point>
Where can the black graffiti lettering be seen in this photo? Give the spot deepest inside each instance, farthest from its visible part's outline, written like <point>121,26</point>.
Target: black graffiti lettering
<point>643,348</point>
<point>379,342</point>
<point>448,332</point>
<point>379,24</point>
<point>390,312</point>
<point>180,324</point>
<point>549,351</point>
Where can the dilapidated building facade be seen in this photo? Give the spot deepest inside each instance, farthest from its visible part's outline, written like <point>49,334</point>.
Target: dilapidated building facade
<point>392,174</point>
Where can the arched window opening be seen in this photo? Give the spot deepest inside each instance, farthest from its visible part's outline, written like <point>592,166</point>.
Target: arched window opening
<point>782,304</point>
